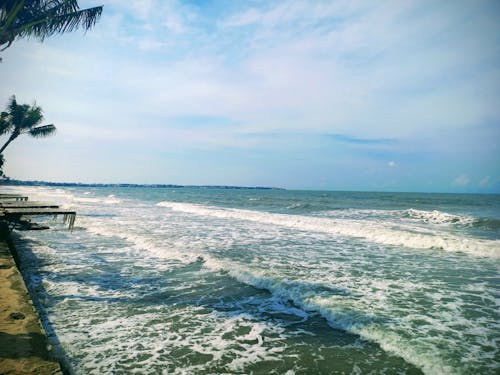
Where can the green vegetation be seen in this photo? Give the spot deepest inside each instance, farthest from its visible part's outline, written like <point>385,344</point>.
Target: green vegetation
<point>22,119</point>
<point>38,19</point>
<point>42,18</point>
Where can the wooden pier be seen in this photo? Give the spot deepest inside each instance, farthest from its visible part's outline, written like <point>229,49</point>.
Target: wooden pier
<point>16,210</point>
<point>15,197</point>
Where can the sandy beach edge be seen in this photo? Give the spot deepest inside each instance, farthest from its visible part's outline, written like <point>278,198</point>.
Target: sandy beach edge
<point>24,348</point>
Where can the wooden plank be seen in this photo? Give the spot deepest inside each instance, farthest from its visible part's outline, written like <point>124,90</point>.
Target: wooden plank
<point>38,211</point>
<point>16,197</point>
<point>27,204</point>
<point>14,214</point>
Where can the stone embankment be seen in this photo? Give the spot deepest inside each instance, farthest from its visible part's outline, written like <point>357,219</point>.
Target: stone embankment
<point>24,348</point>
<point>23,344</point>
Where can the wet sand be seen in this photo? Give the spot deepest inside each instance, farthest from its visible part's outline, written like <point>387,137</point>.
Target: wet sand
<point>23,344</point>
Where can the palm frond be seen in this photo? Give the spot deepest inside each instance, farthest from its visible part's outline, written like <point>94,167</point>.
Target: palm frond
<point>41,19</point>
<point>42,131</point>
<point>59,19</point>
<point>22,119</point>
<point>8,13</point>
<point>12,103</point>
<point>17,112</point>
<point>71,21</point>
<point>32,117</point>
<point>5,124</point>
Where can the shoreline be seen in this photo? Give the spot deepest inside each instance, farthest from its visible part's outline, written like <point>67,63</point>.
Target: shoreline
<point>24,346</point>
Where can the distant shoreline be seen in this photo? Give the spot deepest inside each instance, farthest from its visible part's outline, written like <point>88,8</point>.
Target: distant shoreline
<point>80,184</point>
<point>13,182</point>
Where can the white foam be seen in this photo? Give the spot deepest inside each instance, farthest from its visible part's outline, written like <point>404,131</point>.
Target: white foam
<point>342,313</point>
<point>411,215</point>
<point>65,197</point>
<point>438,217</point>
<point>140,242</point>
<point>406,236</point>
<point>186,328</point>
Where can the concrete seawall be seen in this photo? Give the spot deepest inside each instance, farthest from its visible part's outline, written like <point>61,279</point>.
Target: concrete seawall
<point>24,348</point>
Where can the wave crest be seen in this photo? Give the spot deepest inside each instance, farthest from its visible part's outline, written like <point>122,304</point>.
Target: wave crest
<point>438,217</point>
<point>370,230</point>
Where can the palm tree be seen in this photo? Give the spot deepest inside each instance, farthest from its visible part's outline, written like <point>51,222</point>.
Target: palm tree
<point>42,18</point>
<point>23,119</point>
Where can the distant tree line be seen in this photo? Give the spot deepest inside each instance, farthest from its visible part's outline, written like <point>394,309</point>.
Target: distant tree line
<point>160,186</point>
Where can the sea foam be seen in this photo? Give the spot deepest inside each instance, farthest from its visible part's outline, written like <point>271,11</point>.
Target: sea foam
<point>370,230</point>
<point>347,319</point>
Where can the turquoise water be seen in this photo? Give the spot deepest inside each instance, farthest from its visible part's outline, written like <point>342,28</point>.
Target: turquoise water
<point>194,280</point>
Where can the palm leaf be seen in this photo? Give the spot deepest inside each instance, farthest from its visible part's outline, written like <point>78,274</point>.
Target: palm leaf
<point>16,112</point>
<point>43,18</point>
<point>12,105</point>
<point>42,131</point>
<point>59,20</point>
<point>9,12</point>
<point>5,125</point>
<point>32,117</point>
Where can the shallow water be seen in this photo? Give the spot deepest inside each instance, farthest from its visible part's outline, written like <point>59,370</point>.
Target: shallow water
<point>194,280</point>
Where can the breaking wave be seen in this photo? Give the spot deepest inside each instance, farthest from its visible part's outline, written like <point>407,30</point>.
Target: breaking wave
<point>309,299</point>
<point>438,217</point>
<point>370,230</point>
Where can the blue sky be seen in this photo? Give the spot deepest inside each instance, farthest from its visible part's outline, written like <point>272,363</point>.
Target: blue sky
<point>343,95</point>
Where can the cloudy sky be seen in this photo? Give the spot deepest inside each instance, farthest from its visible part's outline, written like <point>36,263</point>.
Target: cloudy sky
<point>342,95</point>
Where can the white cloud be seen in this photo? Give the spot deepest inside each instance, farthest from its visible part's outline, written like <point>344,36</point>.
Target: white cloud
<point>367,69</point>
<point>317,80</point>
<point>484,181</point>
<point>460,181</point>
<point>248,17</point>
<point>147,25</point>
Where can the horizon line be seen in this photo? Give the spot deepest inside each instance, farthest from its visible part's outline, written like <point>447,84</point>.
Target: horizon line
<point>15,182</point>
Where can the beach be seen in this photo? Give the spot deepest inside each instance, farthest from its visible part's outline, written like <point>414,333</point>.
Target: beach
<point>200,280</point>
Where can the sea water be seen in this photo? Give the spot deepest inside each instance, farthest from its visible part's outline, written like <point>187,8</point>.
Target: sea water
<point>244,281</point>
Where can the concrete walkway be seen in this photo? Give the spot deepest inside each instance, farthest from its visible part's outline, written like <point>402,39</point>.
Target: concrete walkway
<point>23,344</point>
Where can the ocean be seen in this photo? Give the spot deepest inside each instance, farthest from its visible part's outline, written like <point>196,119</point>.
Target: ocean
<point>245,281</point>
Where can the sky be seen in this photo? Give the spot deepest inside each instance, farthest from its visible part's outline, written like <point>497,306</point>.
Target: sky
<point>333,95</point>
